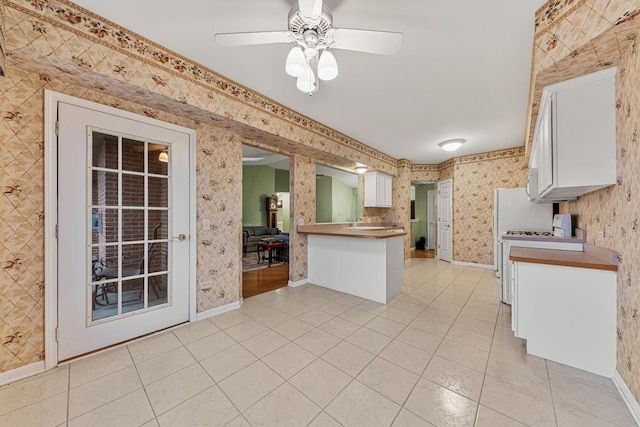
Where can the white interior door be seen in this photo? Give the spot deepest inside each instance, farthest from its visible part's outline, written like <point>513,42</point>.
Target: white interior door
<point>123,194</point>
<point>431,218</point>
<point>444,220</point>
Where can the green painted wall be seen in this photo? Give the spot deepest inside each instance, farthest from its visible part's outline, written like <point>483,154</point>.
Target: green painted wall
<point>324,200</point>
<point>344,200</point>
<point>419,228</point>
<point>258,182</point>
<point>282,181</point>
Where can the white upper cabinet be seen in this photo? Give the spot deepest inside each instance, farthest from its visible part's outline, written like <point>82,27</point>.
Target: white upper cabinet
<point>574,144</point>
<point>377,190</point>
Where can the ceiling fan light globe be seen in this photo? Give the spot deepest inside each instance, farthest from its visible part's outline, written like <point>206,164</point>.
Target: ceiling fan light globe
<point>327,66</point>
<point>451,144</point>
<point>307,81</point>
<point>296,63</point>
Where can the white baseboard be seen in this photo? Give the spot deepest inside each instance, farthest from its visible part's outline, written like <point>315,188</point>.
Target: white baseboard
<point>627,396</point>
<point>21,372</point>
<point>298,283</point>
<point>473,264</point>
<point>218,310</point>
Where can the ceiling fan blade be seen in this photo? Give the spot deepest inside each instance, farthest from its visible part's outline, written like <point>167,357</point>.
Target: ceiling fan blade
<point>263,37</point>
<point>310,8</point>
<point>380,42</point>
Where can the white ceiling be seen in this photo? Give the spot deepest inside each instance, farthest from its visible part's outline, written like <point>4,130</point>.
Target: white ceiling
<point>463,70</point>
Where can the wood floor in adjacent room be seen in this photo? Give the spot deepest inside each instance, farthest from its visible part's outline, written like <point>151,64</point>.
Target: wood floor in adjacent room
<point>428,253</point>
<point>262,280</point>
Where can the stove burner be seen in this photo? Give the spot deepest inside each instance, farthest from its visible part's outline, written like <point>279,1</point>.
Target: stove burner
<point>529,233</point>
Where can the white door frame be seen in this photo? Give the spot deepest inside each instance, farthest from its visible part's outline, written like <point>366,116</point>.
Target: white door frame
<point>431,219</point>
<point>51,100</point>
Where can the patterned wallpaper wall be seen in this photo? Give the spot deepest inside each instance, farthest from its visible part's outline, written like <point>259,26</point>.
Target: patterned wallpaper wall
<point>54,44</point>
<point>572,39</point>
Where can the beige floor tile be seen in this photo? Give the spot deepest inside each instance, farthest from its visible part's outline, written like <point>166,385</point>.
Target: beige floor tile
<point>317,342</point>
<point>191,332</point>
<point>479,314</point>
<point>601,401</point>
<point>372,341</point>
<point>210,345</point>
<point>264,343</point>
<point>152,423</point>
<point>358,405</point>
<point>519,373</point>
<point>34,389</point>
<point>571,417</point>
<point>293,329</point>
<point>350,300</point>
<point>152,346</point>
<point>228,362</point>
<point>398,315</point>
<point>385,327</point>
<point>289,360</point>
<point>239,421</point>
<point>372,307</point>
<point>339,327</point>
<point>130,410</point>
<point>313,301</point>
<point>154,369</point>
<point>284,406</point>
<point>292,308</point>
<point>102,364</point>
<point>49,412</point>
<point>516,349</point>
<point>177,388</point>
<point>409,419</point>
<point>487,417</point>
<point>324,420</point>
<point>463,355</point>
<point>317,317</point>
<point>388,379</point>
<point>335,308</point>
<point>272,318</point>
<point>439,315</point>
<point>320,382</point>
<point>470,338</point>
<point>518,403</point>
<point>475,325</point>
<point>432,326</point>
<point>441,406</point>
<point>245,330</point>
<point>357,316</point>
<point>455,377</point>
<point>348,358</point>
<point>209,408</point>
<point>228,319</point>
<point>90,396</point>
<point>249,385</point>
<point>406,356</point>
<point>420,339</point>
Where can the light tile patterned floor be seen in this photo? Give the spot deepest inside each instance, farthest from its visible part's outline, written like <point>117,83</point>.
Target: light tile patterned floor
<point>442,354</point>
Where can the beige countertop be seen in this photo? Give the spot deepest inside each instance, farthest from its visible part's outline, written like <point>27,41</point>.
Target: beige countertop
<point>362,231</point>
<point>592,257</point>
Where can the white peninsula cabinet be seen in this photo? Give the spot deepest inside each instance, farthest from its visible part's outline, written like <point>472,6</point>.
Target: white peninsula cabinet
<point>377,190</point>
<point>564,305</point>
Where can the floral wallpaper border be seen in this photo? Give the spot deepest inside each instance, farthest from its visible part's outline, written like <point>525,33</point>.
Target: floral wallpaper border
<point>85,23</point>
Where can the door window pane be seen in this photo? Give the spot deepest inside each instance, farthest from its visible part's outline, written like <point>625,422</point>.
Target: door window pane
<point>104,150</point>
<point>132,155</point>
<point>158,192</point>
<point>104,188</point>
<point>157,163</point>
<point>132,224</point>
<point>132,190</point>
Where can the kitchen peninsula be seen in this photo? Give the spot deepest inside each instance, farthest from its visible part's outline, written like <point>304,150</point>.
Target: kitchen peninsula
<point>365,261</point>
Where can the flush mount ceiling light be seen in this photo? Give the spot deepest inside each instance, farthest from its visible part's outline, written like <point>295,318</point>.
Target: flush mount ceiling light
<point>452,144</point>
<point>361,169</point>
<point>311,30</point>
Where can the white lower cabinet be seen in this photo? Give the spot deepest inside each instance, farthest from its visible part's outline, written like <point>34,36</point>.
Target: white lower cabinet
<point>567,314</point>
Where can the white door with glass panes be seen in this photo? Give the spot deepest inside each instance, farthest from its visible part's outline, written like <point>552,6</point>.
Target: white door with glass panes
<point>123,225</point>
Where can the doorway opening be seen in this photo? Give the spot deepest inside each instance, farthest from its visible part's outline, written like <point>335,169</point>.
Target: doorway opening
<point>423,221</point>
<point>266,220</point>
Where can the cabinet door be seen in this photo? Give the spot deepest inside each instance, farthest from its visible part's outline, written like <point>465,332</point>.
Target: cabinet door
<point>544,144</point>
<point>380,190</point>
<point>388,199</point>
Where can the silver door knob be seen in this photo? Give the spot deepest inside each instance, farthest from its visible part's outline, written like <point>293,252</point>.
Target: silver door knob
<point>180,237</point>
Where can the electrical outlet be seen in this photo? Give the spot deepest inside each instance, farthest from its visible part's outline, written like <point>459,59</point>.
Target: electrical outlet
<point>600,236</point>
<point>205,286</point>
<point>580,225</point>
<point>206,224</point>
<point>300,221</point>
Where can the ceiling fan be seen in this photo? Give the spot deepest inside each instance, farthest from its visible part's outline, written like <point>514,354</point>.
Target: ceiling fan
<point>311,30</point>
